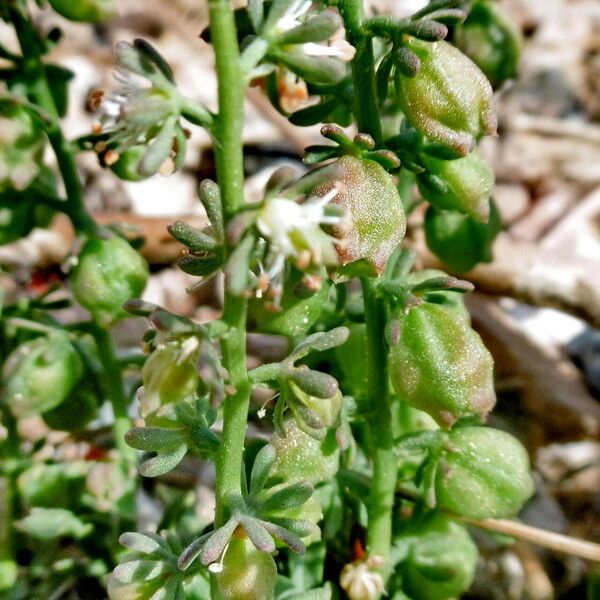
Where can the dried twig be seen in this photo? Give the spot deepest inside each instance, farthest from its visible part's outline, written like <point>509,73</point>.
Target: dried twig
<point>548,539</point>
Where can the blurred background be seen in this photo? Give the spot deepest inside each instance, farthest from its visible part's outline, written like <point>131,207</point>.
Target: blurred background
<point>537,305</point>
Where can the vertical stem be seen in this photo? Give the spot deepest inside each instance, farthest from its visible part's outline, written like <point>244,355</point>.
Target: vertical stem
<point>230,171</point>
<point>42,96</point>
<point>366,105</point>
<point>381,498</point>
<point>74,207</point>
<point>385,467</point>
<point>10,455</point>
<point>111,380</point>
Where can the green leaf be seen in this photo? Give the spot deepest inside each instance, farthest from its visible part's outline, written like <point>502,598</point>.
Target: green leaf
<point>316,29</point>
<point>288,496</point>
<point>199,266</point>
<point>163,463</point>
<point>210,196</point>
<point>193,238</point>
<point>159,150</point>
<point>52,523</point>
<point>256,12</point>
<point>215,545</point>
<point>155,439</point>
<point>258,535</point>
<point>237,268</point>
<point>264,461</point>
<point>314,383</point>
<point>320,342</point>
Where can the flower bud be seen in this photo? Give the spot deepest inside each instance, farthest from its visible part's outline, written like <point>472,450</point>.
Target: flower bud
<point>88,11</point>
<point>361,582</point>
<point>491,40</point>
<point>483,473</point>
<point>449,100</point>
<point>40,374</point>
<point>441,559</point>
<point>170,374</point>
<point>300,457</point>
<point>460,241</point>
<point>374,223</point>
<point>441,366</point>
<point>453,300</point>
<point>21,145</point>
<point>316,413</point>
<point>464,184</point>
<point>108,273</point>
<point>246,573</point>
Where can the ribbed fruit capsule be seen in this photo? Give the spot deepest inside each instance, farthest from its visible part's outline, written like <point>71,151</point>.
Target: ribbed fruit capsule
<point>441,558</point>
<point>40,374</point>
<point>483,473</point>
<point>449,100</point>
<point>246,573</point>
<point>465,184</point>
<point>440,365</point>
<point>491,40</point>
<point>108,273</point>
<point>170,375</point>
<point>460,241</point>
<point>301,457</point>
<point>374,223</point>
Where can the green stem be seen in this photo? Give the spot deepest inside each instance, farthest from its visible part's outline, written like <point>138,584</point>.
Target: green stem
<point>381,497</point>
<point>229,122</point>
<point>111,380</point>
<point>10,456</point>
<point>227,130</point>
<point>39,89</point>
<point>366,104</point>
<point>385,467</point>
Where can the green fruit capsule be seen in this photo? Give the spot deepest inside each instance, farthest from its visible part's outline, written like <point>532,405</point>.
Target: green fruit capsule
<point>40,374</point>
<point>127,167</point>
<point>460,241</point>
<point>441,558</point>
<point>374,223</point>
<point>464,184</point>
<point>300,457</point>
<point>297,314</point>
<point>21,147</point>
<point>170,375</point>
<point>449,100</point>
<point>87,11</point>
<point>483,473</point>
<point>109,272</point>
<point>246,573</point>
<point>440,365</point>
<point>491,40</point>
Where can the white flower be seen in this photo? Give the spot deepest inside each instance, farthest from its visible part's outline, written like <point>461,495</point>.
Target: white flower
<point>129,112</point>
<point>360,582</point>
<point>292,228</point>
<point>293,16</point>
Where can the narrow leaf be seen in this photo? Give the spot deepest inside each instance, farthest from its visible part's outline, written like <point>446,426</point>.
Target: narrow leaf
<point>214,546</point>
<point>163,463</point>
